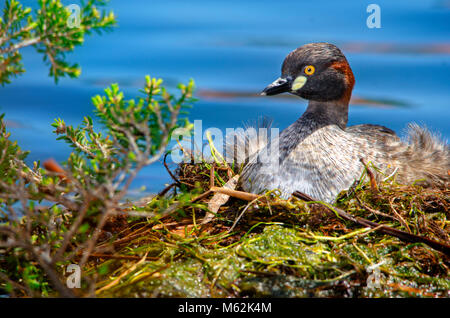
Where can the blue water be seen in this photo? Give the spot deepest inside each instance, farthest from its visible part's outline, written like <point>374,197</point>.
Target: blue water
<point>237,47</point>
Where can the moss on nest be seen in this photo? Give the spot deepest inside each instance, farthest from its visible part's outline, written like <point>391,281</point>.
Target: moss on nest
<point>279,248</point>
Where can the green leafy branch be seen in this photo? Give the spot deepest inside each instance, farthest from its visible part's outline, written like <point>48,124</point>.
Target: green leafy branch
<point>88,190</point>
<point>48,30</point>
<point>138,132</point>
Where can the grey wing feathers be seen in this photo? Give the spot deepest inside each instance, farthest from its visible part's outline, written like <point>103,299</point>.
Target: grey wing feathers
<point>370,129</point>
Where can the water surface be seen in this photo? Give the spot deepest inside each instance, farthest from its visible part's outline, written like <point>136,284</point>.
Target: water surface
<point>233,49</point>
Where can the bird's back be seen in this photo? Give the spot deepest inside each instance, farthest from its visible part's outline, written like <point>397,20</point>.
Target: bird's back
<point>324,161</point>
<point>320,162</point>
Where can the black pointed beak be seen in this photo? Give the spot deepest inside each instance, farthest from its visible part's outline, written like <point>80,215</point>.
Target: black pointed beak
<point>281,85</point>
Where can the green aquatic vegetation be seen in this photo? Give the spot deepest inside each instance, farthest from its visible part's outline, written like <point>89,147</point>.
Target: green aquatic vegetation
<point>303,251</point>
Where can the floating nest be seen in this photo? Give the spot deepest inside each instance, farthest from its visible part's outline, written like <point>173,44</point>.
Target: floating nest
<point>270,247</point>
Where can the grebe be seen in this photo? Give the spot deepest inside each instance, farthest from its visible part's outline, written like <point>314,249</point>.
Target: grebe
<point>318,154</point>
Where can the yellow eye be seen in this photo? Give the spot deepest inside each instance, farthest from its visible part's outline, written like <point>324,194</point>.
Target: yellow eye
<point>309,70</point>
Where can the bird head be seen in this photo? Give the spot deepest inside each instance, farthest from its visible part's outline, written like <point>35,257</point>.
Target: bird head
<point>316,71</point>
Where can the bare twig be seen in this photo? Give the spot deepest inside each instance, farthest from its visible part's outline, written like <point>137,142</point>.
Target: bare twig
<point>219,199</point>
<point>125,273</point>
<point>398,216</point>
<point>373,182</point>
<point>404,236</point>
